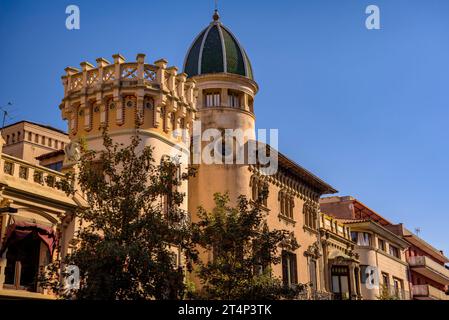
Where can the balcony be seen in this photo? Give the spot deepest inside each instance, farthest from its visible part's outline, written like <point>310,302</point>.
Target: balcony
<point>394,293</point>
<point>430,269</point>
<point>427,292</point>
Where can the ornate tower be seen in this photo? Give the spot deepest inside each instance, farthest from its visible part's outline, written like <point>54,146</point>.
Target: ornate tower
<point>226,89</point>
<point>119,94</point>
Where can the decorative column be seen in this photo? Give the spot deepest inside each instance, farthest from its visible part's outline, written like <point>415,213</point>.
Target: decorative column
<point>101,63</point>
<point>3,224</point>
<point>69,72</point>
<point>352,281</point>
<point>118,60</point>
<point>140,67</point>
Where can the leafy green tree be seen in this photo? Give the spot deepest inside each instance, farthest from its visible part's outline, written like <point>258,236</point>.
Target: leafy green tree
<point>243,250</point>
<point>130,228</point>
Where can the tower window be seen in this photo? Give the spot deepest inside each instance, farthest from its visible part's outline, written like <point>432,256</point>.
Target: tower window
<point>234,99</point>
<point>212,99</point>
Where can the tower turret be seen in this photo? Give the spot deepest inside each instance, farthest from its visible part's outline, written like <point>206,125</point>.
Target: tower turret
<point>226,89</point>
<point>119,95</point>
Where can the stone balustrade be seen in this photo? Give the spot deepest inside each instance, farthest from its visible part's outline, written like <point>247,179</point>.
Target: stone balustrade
<point>24,171</point>
<point>170,97</point>
<point>122,73</point>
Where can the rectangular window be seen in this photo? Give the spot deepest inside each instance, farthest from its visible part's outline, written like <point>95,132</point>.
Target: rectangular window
<point>382,245</point>
<point>233,99</point>
<point>385,280</point>
<point>398,286</point>
<point>394,252</point>
<point>57,166</point>
<point>212,99</point>
<point>313,277</point>
<point>361,238</point>
<point>289,268</point>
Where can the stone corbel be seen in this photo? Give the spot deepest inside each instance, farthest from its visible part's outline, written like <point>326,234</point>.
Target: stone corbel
<point>181,80</point>
<point>157,114</point>
<point>160,74</point>
<point>172,80</point>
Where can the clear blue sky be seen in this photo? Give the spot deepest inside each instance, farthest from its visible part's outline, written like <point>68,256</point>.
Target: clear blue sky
<point>365,110</point>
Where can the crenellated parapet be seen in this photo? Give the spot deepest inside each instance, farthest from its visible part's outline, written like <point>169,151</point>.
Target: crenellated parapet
<point>120,94</point>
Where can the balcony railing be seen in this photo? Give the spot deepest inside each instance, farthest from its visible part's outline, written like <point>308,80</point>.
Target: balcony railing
<point>425,262</point>
<point>395,293</point>
<point>38,176</point>
<point>428,291</point>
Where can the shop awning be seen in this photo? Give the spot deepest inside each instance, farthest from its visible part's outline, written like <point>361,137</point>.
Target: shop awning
<point>21,229</point>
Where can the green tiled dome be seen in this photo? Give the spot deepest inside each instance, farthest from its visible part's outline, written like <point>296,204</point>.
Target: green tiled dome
<point>217,50</point>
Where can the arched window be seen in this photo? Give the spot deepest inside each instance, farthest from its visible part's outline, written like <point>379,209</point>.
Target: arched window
<point>259,188</point>
<point>286,204</point>
<point>310,216</point>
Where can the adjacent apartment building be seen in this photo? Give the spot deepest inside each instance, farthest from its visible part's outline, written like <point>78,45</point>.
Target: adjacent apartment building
<point>429,278</point>
<point>394,262</point>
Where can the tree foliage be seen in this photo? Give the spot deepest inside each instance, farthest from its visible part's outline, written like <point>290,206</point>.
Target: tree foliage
<point>130,228</point>
<point>243,250</point>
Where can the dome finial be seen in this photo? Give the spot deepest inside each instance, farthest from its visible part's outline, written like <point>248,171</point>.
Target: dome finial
<point>216,16</point>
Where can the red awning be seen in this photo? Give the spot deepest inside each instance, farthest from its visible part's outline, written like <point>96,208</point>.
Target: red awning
<point>21,229</point>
